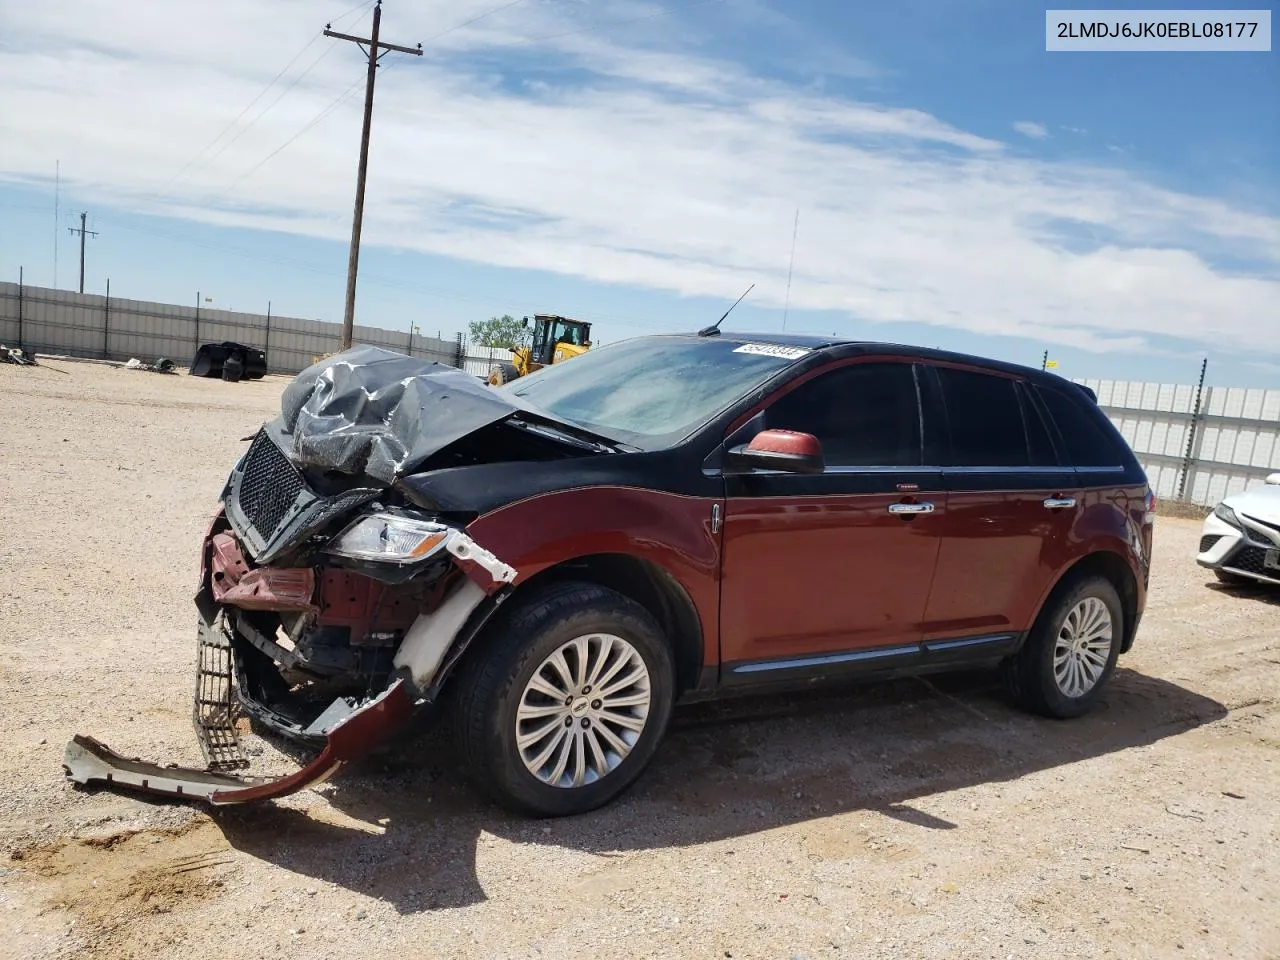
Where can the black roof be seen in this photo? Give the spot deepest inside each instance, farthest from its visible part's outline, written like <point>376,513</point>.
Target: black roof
<point>845,346</point>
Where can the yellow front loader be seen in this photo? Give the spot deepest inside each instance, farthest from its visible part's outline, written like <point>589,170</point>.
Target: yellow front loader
<point>554,339</point>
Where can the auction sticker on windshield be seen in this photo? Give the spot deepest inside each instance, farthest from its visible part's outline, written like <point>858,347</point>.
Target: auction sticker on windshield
<point>773,350</point>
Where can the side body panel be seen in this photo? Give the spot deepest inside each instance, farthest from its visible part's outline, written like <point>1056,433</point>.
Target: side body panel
<point>814,568</point>
<point>1001,548</point>
<point>817,565</point>
<point>1014,531</point>
<point>1110,520</point>
<point>673,531</point>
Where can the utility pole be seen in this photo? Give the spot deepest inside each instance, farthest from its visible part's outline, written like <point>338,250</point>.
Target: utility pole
<point>83,233</point>
<point>374,51</point>
<point>57,218</point>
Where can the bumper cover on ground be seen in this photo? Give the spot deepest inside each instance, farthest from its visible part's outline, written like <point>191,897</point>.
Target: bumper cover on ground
<point>88,761</point>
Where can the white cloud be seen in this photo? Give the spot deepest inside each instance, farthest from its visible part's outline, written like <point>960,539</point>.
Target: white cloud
<point>1036,131</point>
<point>641,162</point>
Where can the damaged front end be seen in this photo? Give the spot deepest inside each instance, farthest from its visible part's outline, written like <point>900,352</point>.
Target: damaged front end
<point>330,608</point>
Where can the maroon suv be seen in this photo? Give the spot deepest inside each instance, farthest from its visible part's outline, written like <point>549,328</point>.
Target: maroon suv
<point>556,562</point>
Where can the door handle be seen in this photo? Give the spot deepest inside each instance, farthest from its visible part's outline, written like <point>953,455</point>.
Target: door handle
<point>910,509</point>
<point>1060,503</point>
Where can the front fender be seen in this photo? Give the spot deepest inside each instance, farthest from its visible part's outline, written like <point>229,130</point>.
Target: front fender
<point>672,531</point>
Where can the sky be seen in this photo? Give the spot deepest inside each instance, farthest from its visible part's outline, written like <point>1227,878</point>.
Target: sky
<point>920,172</point>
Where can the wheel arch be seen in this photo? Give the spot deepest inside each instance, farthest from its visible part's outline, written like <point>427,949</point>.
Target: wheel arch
<point>649,585</point>
<point>1112,566</point>
<point>640,580</point>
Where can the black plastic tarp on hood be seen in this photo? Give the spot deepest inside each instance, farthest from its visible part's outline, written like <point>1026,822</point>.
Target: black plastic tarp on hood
<point>372,412</point>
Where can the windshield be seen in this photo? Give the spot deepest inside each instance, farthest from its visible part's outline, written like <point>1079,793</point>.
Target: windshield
<point>651,391</point>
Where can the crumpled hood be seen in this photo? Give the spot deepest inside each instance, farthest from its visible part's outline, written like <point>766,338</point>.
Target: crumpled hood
<point>368,411</point>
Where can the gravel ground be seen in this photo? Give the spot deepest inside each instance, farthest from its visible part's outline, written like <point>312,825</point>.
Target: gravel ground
<point>909,819</point>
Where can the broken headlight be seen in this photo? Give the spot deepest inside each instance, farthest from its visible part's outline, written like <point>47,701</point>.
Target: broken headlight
<point>386,538</point>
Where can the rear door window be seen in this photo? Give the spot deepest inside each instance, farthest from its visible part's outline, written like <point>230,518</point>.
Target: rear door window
<point>863,414</point>
<point>985,416</point>
<point>1088,442</point>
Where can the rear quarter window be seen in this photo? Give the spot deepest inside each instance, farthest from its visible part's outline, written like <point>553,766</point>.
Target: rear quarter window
<point>1088,441</point>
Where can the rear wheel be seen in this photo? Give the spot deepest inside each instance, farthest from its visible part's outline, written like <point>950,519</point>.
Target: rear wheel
<point>565,704</point>
<point>1071,651</point>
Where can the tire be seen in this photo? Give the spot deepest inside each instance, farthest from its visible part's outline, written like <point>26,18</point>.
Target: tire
<point>233,369</point>
<point>1232,579</point>
<point>494,687</point>
<point>1031,675</point>
<point>502,373</point>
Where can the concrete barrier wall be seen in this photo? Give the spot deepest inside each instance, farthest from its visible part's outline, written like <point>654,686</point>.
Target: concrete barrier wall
<point>110,328</point>
<point>1227,444</point>
<point>1234,433</point>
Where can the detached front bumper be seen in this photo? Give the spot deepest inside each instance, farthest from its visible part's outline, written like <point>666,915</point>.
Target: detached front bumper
<point>347,729</point>
<point>87,760</point>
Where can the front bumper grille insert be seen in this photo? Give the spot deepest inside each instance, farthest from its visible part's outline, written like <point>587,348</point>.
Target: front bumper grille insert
<point>1251,559</point>
<point>270,507</point>
<point>269,487</point>
<point>213,712</point>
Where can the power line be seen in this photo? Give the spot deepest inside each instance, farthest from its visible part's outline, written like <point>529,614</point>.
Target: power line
<point>283,93</point>
<point>262,93</point>
<point>523,42</point>
<point>333,105</point>
<point>223,132</point>
<point>307,126</point>
<point>476,19</point>
<point>324,112</point>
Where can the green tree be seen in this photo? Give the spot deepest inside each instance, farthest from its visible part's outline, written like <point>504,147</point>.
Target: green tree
<point>503,331</point>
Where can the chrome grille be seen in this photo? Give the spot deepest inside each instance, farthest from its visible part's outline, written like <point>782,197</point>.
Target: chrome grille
<point>269,486</point>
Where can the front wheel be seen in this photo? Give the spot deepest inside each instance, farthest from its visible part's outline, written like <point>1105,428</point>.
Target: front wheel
<point>1071,651</point>
<point>501,373</point>
<point>564,705</point>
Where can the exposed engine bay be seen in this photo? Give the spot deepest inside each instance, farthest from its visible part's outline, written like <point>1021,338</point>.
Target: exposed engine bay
<point>331,605</point>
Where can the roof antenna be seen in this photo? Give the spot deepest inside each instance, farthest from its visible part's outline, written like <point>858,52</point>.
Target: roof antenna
<point>714,329</point>
<point>787,306</point>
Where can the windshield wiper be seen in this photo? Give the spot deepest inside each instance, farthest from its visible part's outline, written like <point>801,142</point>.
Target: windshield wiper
<point>559,433</point>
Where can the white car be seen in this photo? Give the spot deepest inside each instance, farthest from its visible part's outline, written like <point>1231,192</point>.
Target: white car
<point>1240,541</point>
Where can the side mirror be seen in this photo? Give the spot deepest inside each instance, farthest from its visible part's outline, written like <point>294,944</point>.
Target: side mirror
<point>786,450</point>
<point>1274,479</point>
<point>526,322</point>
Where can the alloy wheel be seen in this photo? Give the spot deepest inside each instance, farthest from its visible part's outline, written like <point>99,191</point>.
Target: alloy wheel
<point>583,710</point>
<point>1083,647</point>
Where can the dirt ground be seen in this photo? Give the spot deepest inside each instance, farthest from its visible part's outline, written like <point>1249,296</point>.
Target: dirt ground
<point>910,819</point>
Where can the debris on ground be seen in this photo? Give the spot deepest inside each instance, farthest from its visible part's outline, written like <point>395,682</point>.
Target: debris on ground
<point>162,365</point>
<point>229,360</point>
<point>17,355</point>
